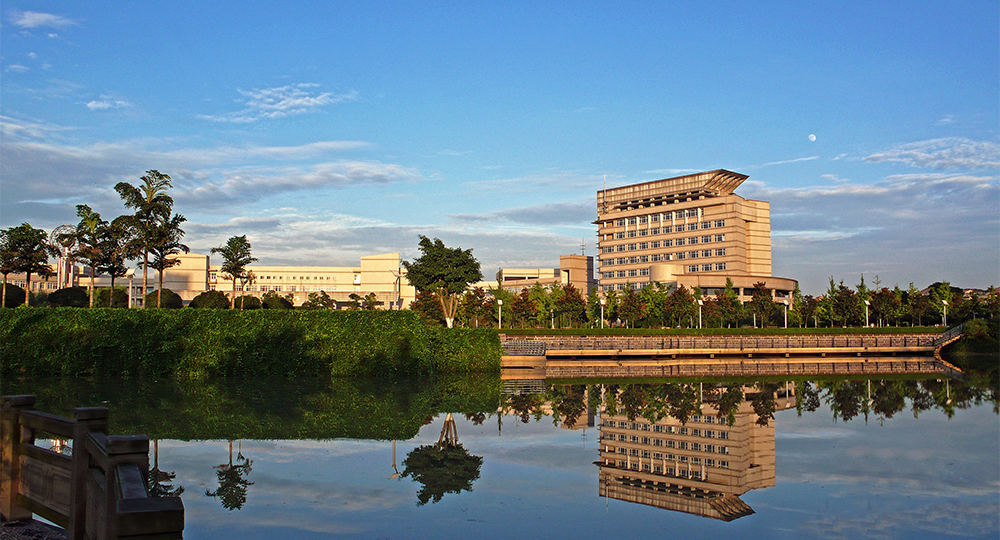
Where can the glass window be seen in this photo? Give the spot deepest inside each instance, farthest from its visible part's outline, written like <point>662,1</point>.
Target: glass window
<point>643,232</point>
<point>631,234</point>
<point>706,253</point>
<point>693,254</point>
<point>654,230</point>
<point>693,240</point>
<point>668,256</point>
<point>643,220</point>
<point>692,226</point>
<point>668,243</point>
<point>644,258</point>
<point>668,229</point>
<point>706,239</point>
<point>720,266</point>
<point>720,238</point>
<point>680,242</point>
<point>621,273</point>
<point>643,245</point>
<point>619,235</point>
<point>655,244</point>
<point>721,252</point>
<point>693,268</point>
<point>633,273</point>
<point>644,272</point>
<point>631,221</point>
<point>681,256</point>
<point>706,224</point>
<point>631,247</point>
<point>655,218</point>
<point>619,223</point>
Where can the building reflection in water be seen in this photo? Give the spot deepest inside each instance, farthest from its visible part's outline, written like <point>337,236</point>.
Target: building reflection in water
<point>701,467</point>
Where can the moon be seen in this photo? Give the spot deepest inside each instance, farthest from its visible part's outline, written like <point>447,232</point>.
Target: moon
<point>812,137</point>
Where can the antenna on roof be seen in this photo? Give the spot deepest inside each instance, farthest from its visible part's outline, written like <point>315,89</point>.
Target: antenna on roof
<point>583,246</point>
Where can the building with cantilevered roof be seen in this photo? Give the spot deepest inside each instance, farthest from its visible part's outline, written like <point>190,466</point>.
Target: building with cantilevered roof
<point>691,231</point>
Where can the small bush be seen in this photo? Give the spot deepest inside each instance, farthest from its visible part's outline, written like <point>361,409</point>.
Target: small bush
<point>120,298</point>
<point>13,296</point>
<point>168,300</point>
<point>271,300</point>
<point>210,300</point>
<point>70,297</point>
<point>247,302</point>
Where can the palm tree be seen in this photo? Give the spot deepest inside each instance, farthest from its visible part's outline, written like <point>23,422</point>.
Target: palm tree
<point>117,241</point>
<point>235,258</point>
<point>152,205</point>
<point>28,251</point>
<point>165,243</point>
<point>88,241</point>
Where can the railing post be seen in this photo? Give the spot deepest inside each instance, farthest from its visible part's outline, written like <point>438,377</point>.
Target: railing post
<point>10,466</point>
<point>87,419</point>
<point>122,449</point>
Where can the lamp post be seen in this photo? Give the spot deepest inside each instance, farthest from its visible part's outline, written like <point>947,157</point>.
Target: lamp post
<point>945,303</point>
<point>785,303</point>
<point>603,301</point>
<point>700,303</point>
<point>867,303</point>
<point>130,306</point>
<point>500,303</point>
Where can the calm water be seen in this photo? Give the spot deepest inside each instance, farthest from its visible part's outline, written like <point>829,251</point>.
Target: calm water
<point>301,459</point>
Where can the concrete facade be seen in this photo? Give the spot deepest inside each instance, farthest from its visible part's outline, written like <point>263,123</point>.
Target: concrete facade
<point>689,230</point>
<point>577,270</point>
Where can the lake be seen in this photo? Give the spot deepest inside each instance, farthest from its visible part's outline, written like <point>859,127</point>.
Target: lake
<point>303,459</point>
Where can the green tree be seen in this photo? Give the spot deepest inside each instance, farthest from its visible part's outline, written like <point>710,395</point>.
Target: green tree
<point>729,303</point>
<point>884,304</point>
<point>682,306</point>
<point>28,251</point>
<point>917,305</point>
<point>631,308</point>
<point>87,241</point>
<point>941,294</point>
<point>116,244</point>
<point>445,271</point>
<point>320,300</point>
<point>762,303</point>
<point>164,244</point>
<point>572,304</point>
<point>152,205</point>
<point>6,264</point>
<point>236,256</point>
<point>271,300</point>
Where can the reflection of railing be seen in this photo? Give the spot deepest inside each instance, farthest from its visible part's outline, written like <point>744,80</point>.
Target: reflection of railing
<point>721,342</point>
<point>98,493</point>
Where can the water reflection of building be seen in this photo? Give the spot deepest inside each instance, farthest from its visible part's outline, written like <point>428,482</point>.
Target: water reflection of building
<point>701,467</point>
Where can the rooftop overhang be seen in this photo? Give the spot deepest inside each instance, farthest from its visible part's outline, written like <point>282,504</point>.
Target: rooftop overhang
<point>715,183</point>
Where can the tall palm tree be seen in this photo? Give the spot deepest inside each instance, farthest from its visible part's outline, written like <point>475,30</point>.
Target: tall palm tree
<point>166,243</point>
<point>152,205</point>
<point>28,251</point>
<point>235,258</point>
<point>87,236</point>
<point>117,244</point>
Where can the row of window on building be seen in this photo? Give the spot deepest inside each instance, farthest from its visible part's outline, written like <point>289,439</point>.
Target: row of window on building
<point>670,242</point>
<point>663,217</point>
<point>660,456</point>
<point>667,229</point>
<point>671,471</point>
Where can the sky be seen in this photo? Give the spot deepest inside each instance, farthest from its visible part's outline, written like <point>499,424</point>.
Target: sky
<point>327,131</point>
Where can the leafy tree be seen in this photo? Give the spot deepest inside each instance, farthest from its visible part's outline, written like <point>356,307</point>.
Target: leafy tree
<point>884,304</point>
<point>319,300</point>
<point>543,304</point>
<point>631,308</point>
<point>523,308</point>
<point>233,481</point>
<point>682,306</point>
<point>271,300</point>
<point>27,251</point>
<point>475,308</point>
<point>992,302</point>
<point>655,300</point>
<point>917,305</point>
<point>729,303</point>
<point>445,271</point>
<point>236,256</point>
<point>445,467</point>
<point>427,306</point>
<point>844,304</point>
<point>6,264</point>
<point>762,303</point>
<point>572,304</point>
<point>13,295</point>
<point>940,294</point>
<point>371,302</point>
<point>210,300</point>
<point>355,302</point>
<point>164,244</point>
<point>152,205</point>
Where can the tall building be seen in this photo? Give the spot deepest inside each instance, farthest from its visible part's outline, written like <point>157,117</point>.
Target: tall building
<point>690,231</point>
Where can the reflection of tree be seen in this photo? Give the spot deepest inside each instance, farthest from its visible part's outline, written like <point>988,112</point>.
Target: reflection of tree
<point>568,403</point>
<point>763,402</point>
<point>159,482</point>
<point>232,490</point>
<point>445,467</point>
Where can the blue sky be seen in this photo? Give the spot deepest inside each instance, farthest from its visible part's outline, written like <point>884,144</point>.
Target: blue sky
<point>327,131</point>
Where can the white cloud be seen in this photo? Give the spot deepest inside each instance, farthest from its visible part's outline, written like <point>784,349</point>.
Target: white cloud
<point>32,19</point>
<point>946,153</point>
<point>18,68</point>
<point>279,102</point>
<point>108,102</point>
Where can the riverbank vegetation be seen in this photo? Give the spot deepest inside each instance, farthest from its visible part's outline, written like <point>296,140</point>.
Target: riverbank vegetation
<point>196,344</point>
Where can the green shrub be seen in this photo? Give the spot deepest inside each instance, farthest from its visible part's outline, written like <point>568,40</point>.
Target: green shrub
<point>70,297</point>
<point>271,300</point>
<point>203,343</point>
<point>247,302</point>
<point>120,298</point>
<point>13,295</point>
<point>210,300</point>
<point>168,300</point>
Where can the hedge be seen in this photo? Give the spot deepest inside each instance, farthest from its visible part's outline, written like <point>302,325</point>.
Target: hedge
<point>208,343</point>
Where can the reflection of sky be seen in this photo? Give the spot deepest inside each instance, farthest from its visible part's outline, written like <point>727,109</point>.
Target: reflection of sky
<point>907,478</point>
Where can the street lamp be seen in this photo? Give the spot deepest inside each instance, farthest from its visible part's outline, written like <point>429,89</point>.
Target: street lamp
<point>603,301</point>
<point>700,303</point>
<point>500,302</point>
<point>867,303</point>
<point>785,303</point>
<point>945,303</point>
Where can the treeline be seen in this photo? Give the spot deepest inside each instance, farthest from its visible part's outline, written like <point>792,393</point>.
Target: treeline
<point>196,344</point>
<point>666,306</point>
